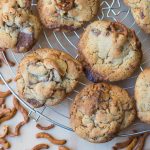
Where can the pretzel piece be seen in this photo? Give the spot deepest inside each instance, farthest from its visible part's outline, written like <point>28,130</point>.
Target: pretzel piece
<point>2,101</point>
<point>8,81</point>
<point>8,116</point>
<point>44,128</point>
<point>25,116</point>
<point>132,144</point>
<point>40,146</point>
<point>4,111</point>
<point>17,129</point>
<point>5,143</point>
<point>50,138</point>
<point>11,63</point>
<point>21,109</point>
<point>124,144</point>
<point>5,131</point>
<point>5,94</point>
<point>141,141</point>
<point>65,5</point>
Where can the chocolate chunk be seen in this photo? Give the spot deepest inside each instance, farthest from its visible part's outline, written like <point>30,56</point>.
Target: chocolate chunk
<point>142,15</point>
<point>107,33</point>
<point>25,41</point>
<point>108,30</point>
<point>34,103</point>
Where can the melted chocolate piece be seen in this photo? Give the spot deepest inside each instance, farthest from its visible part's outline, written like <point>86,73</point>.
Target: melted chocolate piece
<point>25,41</point>
<point>142,15</point>
<point>34,103</point>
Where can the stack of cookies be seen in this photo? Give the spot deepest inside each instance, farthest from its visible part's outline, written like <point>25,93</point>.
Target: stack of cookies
<point>108,52</point>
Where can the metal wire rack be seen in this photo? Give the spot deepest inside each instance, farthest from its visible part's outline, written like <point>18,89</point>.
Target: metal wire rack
<point>113,10</point>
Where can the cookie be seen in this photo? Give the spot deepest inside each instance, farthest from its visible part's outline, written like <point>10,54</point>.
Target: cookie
<point>109,51</point>
<point>100,111</point>
<point>19,28</point>
<point>66,15</point>
<point>140,10</point>
<point>142,96</point>
<point>47,76</point>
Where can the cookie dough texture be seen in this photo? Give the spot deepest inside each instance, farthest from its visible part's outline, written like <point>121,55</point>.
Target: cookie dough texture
<point>19,28</point>
<point>142,95</point>
<point>66,14</point>
<point>109,51</point>
<point>100,111</point>
<point>47,76</point>
<point>141,12</point>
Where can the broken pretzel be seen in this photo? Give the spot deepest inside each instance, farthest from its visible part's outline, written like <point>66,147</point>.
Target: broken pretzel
<point>134,142</point>
<point>5,143</point>
<point>5,131</point>
<point>44,128</point>
<point>5,94</point>
<point>25,116</point>
<point>40,146</point>
<point>21,109</point>
<point>8,115</point>
<point>65,5</point>
<point>50,138</point>
<point>8,81</point>
<point>11,63</point>
<point>2,101</point>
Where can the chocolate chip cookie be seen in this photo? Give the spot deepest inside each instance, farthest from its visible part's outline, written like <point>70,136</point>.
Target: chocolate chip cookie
<point>19,28</point>
<point>47,76</point>
<point>109,51</point>
<point>100,111</point>
<point>66,14</point>
<point>140,10</point>
<point>142,95</point>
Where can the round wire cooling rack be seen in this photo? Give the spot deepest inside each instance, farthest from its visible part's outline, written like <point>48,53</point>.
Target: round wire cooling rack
<point>113,10</point>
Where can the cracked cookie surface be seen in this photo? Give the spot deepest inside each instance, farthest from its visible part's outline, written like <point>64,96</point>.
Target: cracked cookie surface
<point>47,76</point>
<point>109,51</point>
<point>141,12</point>
<point>142,96</point>
<point>19,28</point>
<point>100,111</point>
<point>66,14</point>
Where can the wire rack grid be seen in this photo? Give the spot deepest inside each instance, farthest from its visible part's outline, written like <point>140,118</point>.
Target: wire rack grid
<point>113,10</point>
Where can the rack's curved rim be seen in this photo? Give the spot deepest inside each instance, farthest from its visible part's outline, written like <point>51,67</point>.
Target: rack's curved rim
<point>133,134</point>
